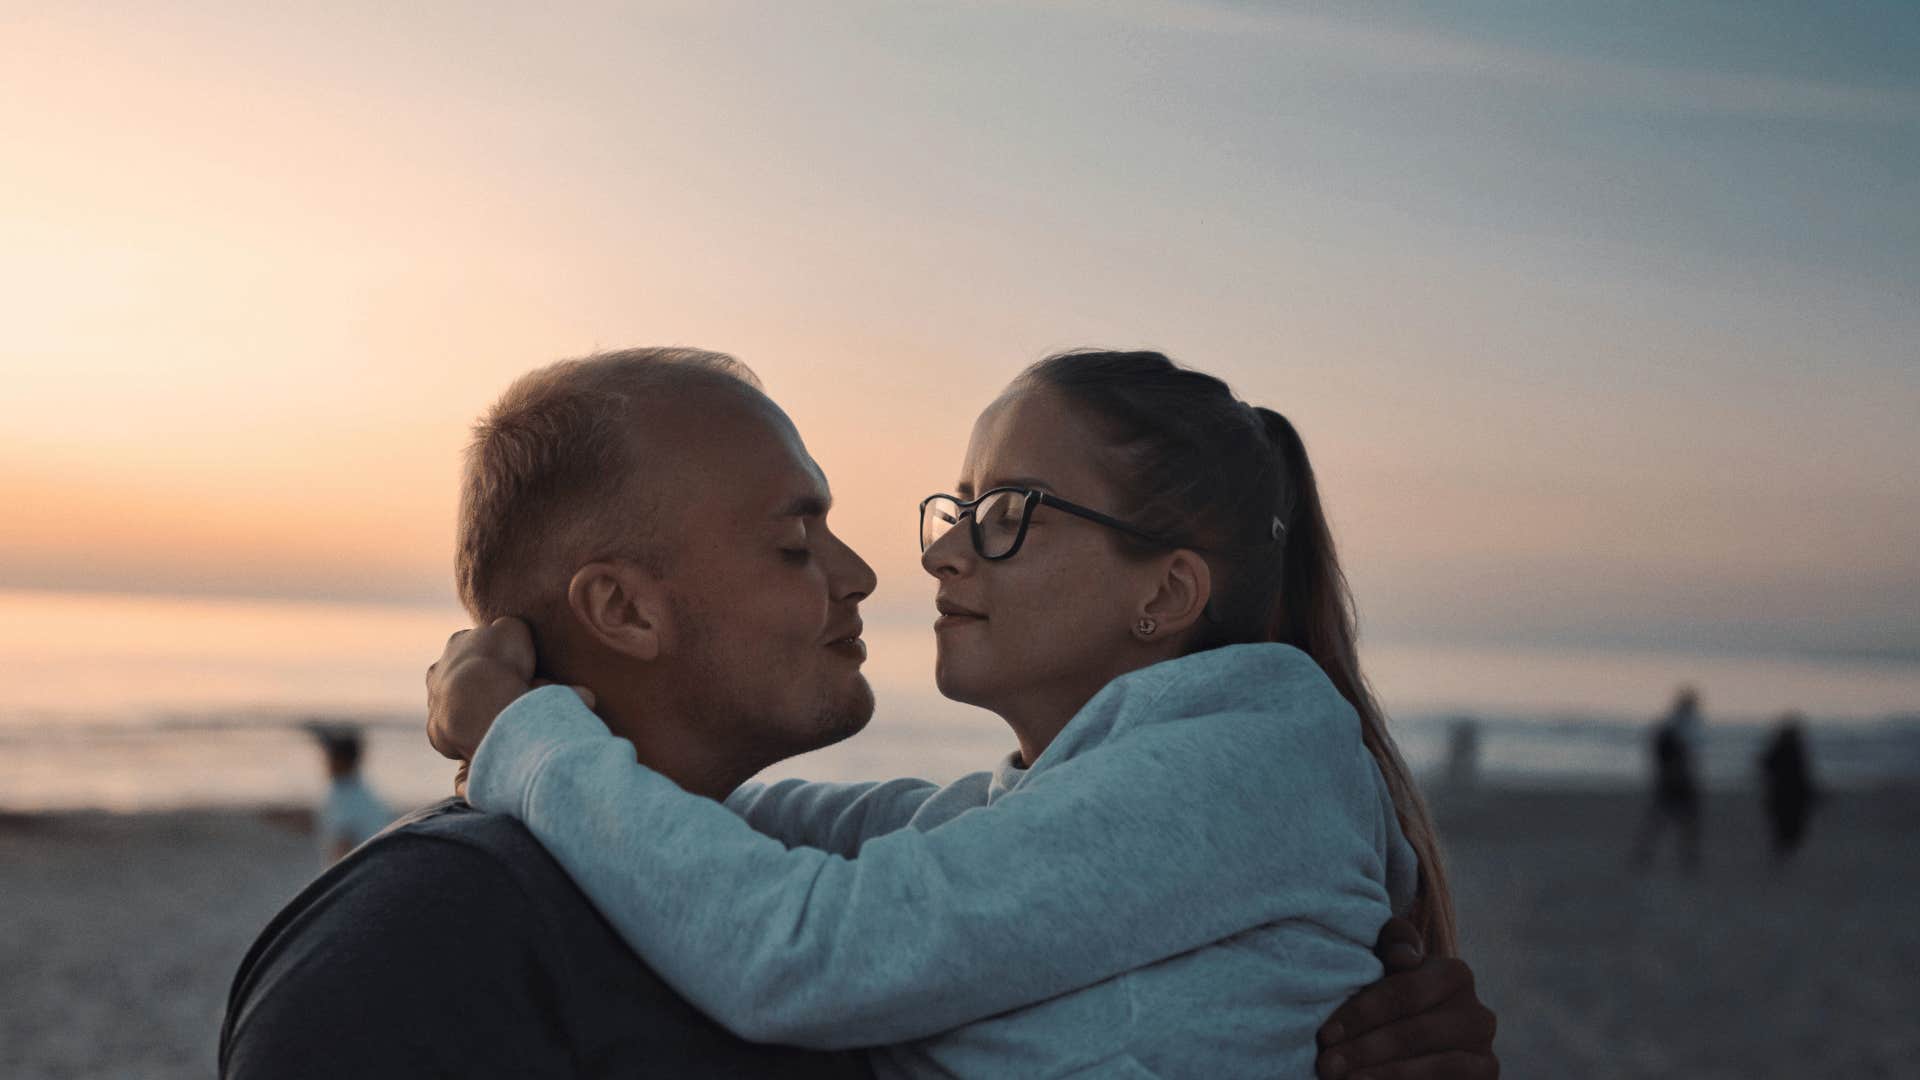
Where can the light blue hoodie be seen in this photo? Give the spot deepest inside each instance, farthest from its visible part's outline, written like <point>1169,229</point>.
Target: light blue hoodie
<point>1186,883</point>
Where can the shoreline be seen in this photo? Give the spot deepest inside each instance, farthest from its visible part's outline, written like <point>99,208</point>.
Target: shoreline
<point>246,768</point>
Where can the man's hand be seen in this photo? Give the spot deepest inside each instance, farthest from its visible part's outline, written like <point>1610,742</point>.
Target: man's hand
<point>479,673</point>
<point>1422,1021</point>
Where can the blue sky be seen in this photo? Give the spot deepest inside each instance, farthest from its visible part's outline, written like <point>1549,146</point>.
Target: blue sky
<point>1599,319</point>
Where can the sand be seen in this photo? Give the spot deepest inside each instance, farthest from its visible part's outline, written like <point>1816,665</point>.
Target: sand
<point>1745,970</point>
<point>121,933</point>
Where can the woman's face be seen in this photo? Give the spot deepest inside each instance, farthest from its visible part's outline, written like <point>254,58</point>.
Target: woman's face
<point>1032,637</point>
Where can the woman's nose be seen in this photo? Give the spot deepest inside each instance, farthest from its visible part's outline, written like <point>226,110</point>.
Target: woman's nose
<point>950,554</point>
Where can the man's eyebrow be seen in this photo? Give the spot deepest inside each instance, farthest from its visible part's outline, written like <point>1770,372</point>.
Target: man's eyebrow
<point>809,505</point>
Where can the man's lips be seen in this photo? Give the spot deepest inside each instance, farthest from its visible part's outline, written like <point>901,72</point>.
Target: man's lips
<point>852,648</point>
<point>847,642</point>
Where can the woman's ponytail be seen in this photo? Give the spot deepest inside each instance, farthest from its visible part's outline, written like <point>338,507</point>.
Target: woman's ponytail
<point>1314,613</point>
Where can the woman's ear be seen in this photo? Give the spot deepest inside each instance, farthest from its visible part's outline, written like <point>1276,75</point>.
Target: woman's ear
<point>1180,598</point>
<point>621,606</point>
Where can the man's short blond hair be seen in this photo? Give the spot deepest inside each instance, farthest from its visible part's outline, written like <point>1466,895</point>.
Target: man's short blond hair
<point>554,478</point>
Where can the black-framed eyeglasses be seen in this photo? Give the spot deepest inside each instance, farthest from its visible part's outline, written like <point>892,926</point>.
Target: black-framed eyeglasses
<point>998,519</point>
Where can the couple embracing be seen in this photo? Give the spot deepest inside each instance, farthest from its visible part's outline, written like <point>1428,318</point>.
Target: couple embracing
<point>1196,862</point>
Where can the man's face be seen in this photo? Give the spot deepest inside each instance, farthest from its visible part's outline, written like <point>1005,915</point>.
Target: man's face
<point>764,597</point>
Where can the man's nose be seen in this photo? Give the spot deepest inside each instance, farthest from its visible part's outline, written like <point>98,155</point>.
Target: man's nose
<point>855,579</point>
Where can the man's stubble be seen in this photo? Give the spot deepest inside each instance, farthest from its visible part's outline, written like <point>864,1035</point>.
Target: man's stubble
<point>718,700</point>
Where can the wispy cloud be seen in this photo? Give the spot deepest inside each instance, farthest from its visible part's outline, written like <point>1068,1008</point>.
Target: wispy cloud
<point>1381,46</point>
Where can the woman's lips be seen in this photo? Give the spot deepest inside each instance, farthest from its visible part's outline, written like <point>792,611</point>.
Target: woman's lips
<point>952,617</point>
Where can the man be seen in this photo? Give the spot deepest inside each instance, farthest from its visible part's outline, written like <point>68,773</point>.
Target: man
<point>1676,792</point>
<point>659,526</point>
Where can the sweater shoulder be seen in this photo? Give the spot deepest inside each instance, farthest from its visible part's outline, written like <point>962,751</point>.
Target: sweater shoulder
<point>1267,690</point>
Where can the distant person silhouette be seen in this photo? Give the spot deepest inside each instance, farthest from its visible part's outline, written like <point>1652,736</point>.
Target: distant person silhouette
<point>1463,756</point>
<point>351,813</point>
<point>1676,791</point>
<point>1786,768</point>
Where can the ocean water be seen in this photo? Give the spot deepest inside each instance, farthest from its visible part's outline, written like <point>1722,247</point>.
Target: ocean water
<point>127,703</point>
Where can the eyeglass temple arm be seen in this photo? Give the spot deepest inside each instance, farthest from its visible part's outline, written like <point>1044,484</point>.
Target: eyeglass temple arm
<point>1109,521</point>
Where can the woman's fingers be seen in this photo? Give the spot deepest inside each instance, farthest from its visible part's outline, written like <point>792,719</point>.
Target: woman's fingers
<point>464,699</point>
<point>510,641</point>
<point>437,735</point>
<point>480,672</point>
<point>444,650</point>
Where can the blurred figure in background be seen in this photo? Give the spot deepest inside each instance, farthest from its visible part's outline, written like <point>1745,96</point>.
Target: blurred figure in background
<point>351,813</point>
<point>1787,772</point>
<point>1463,756</point>
<point>1676,791</point>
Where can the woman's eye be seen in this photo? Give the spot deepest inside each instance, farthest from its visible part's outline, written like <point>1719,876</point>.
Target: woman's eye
<point>796,555</point>
<point>1001,517</point>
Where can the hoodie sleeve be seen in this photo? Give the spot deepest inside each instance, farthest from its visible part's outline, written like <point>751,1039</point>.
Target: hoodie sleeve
<point>831,817</point>
<point>1131,852</point>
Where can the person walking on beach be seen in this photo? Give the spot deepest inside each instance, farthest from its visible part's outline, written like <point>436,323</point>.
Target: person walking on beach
<point>1676,791</point>
<point>453,944</point>
<point>1787,774</point>
<point>351,813</point>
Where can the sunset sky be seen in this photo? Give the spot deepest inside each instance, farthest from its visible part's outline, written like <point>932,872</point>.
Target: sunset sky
<point>1601,321</point>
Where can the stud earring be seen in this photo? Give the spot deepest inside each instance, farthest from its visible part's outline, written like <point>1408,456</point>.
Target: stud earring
<point>1145,627</point>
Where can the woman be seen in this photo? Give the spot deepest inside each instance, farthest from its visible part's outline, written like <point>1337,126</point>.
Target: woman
<point>1181,869</point>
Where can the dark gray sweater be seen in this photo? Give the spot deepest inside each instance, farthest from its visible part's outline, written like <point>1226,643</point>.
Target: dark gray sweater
<point>453,945</point>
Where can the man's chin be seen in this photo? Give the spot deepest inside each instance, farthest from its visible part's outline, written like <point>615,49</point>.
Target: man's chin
<point>849,715</point>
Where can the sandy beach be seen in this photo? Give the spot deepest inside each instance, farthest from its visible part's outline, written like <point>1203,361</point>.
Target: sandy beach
<point>121,933</point>
<point>1746,970</point>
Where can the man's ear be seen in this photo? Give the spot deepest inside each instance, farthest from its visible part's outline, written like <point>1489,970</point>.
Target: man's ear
<point>1181,593</point>
<point>621,606</point>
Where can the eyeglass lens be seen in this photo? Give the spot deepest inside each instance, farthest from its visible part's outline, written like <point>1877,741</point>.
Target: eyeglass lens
<point>995,527</point>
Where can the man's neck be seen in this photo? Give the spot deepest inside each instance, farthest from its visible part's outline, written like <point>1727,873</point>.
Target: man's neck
<point>649,707</point>
<point>675,745</point>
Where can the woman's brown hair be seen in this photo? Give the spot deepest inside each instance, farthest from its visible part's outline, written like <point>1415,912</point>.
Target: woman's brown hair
<point>1203,468</point>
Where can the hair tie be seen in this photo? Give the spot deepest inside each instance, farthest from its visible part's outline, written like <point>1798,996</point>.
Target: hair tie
<point>1279,527</point>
